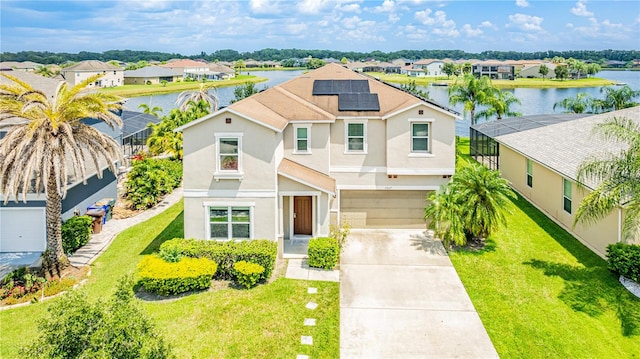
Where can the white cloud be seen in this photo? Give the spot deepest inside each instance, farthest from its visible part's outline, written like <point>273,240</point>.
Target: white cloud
<point>387,6</point>
<point>393,18</point>
<point>348,8</point>
<point>581,9</point>
<point>522,3</point>
<point>488,25</point>
<point>439,18</point>
<point>351,22</point>
<point>525,22</point>
<point>470,31</point>
<point>312,6</point>
<point>264,6</point>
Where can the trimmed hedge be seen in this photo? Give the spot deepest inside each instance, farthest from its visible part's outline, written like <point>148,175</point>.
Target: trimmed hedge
<point>624,259</point>
<point>166,278</point>
<point>323,252</point>
<point>76,232</point>
<point>247,274</point>
<point>150,179</point>
<point>226,254</point>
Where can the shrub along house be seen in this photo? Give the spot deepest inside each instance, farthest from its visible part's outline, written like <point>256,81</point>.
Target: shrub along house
<point>330,145</point>
<point>540,156</point>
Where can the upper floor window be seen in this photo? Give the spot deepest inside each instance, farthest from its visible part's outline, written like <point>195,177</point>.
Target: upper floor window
<point>566,195</point>
<point>529,173</point>
<point>228,153</point>
<point>356,136</point>
<point>302,140</point>
<point>420,137</point>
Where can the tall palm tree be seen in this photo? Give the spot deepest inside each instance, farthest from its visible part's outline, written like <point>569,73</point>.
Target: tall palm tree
<point>470,92</point>
<point>49,143</point>
<point>618,175</point>
<point>499,105</point>
<point>581,103</point>
<point>617,99</point>
<point>208,94</point>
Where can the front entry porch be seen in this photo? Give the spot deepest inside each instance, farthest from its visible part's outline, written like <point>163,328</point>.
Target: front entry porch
<point>299,222</point>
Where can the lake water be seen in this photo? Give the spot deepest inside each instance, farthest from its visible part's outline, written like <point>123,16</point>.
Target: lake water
<point>533,101</point>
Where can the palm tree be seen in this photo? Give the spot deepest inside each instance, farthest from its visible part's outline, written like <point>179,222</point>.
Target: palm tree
<point>618,175</point>
<point>470,92</point>
<point>499,105</point>
<point>49,143</point>
<point>208,94</point>
<point>471,206</point>
<point>620,98</point>
<point>150,110</point>
<point>578,104</point>
<point>485,197</point>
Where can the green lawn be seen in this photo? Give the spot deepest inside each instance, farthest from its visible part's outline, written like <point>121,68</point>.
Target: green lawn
<point>517,83</point>
<point>541,294</point>
<point>264,322</point>
<point>172,87</point>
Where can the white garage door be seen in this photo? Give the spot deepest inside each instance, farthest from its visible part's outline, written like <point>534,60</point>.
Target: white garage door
<point>22,230</point>
<point>383,209</point>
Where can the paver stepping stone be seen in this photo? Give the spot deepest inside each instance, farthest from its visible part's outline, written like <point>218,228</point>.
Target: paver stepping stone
<point>311,305</point>
<point>312,290</point>
<point>306,340</point>
<point>309,322</point>
<point>302,356</point>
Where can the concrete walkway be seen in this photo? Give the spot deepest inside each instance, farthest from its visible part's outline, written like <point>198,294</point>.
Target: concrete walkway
<point>400,297</point>
<point>99,242</point>
<point>298,268</point>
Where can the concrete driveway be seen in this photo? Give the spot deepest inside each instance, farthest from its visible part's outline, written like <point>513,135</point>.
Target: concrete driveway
<point>400,297</point>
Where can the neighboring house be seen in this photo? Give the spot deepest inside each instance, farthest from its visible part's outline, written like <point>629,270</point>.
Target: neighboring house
<point>75,74</point>
<point>429,67</point>
<point>329,146</point>
<point>540,156</point>
<point>27,66</point>
<point>188,68</point>
<point>495,70</point>
<point>150,75</point>
<point>533,71</point>
<point>221,71</point>
<point>22,225</point>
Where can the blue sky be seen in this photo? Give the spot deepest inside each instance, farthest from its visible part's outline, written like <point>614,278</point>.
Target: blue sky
<point>189,27</point>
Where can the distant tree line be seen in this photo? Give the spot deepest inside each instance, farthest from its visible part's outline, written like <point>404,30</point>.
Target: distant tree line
<point>45,57</point>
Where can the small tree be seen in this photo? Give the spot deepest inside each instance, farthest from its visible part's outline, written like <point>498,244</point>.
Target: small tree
<point>562,72</point>
<point>449,68</point>
<point>244,91</point>
<point>544,71</point>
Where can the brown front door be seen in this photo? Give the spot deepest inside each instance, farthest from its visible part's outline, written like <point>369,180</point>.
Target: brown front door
<point>302,218</point>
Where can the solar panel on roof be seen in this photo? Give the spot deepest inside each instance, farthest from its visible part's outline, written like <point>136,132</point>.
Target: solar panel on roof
<point>358,102</point>
<point>336,87</point>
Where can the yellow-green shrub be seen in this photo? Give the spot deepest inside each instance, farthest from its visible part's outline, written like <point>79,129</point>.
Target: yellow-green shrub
<point>166,278</point>
<point>247,273</point>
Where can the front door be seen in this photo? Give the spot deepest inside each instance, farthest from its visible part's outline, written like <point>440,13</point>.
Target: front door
<point>302,215</point>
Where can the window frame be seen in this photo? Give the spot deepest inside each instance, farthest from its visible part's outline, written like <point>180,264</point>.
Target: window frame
<point>296,150</point>
<point>229,207</point>
<point>567,200</point>
<point>529,171</point>
<point>414,137</point>
<point>347,150</point>
<point>429,122</point>
<point>220,172</point>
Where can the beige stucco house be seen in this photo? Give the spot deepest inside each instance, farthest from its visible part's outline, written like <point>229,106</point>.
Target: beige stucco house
<point>111,75</point>
<point>540,156</point>
<point>330,145</point>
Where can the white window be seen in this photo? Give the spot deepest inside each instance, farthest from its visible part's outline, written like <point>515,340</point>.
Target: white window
<point>230,222</point>
<point>356,137</point>
<point>566,195</point>
<point>228,153</point>
<point>302,139</point>
<point>420,137</point>
<point>529,173</point>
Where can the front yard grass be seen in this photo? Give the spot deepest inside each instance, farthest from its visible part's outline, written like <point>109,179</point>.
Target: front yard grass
<point>264,322</point>
<point>542,294</point>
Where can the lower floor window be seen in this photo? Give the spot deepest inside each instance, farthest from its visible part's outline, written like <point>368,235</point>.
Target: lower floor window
<point>230,222</point>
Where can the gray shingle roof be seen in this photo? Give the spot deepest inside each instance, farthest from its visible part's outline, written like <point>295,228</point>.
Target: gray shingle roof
<point>150,71</point>
<point>563,146</point>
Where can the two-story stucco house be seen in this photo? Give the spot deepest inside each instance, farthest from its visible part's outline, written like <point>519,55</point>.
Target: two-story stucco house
<point>111,75</point>
<point>330,145</point>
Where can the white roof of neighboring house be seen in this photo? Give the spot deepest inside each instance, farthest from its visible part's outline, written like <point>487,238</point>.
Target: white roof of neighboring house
<point>563,146</point>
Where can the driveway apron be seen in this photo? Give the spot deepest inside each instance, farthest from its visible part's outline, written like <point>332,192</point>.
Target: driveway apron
<point>400,297</point>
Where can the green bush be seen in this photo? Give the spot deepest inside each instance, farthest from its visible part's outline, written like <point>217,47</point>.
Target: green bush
<point>166,278</point>
<point>76,232</point>
<point>225,254</point>
<point>150,179</point>
<point>247,274</point>
<point>323,252</point>
<point>624,259</point>
<point>77,328</point>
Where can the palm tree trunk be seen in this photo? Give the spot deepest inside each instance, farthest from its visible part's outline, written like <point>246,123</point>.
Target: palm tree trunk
<point>55,260</point>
